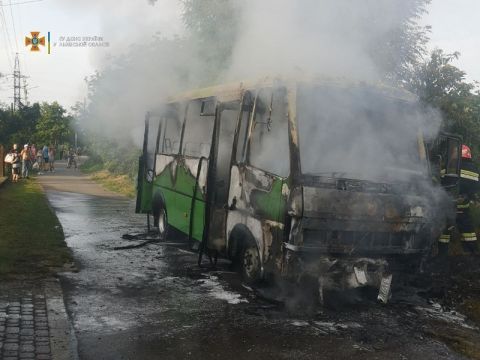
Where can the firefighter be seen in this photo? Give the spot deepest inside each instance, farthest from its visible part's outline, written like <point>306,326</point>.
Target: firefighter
<point>468,186</point>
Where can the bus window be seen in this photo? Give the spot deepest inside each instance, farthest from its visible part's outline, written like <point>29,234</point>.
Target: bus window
<point>269,148</point>
<point>171,133</point>
<point>197,138</point>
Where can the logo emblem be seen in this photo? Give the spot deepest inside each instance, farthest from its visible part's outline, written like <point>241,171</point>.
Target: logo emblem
<point>35,41</point>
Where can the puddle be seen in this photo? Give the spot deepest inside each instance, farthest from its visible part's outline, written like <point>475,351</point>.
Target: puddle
<point>216,290</point>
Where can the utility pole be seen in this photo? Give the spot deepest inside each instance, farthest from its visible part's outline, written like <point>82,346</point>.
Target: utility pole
<point>17,86</point>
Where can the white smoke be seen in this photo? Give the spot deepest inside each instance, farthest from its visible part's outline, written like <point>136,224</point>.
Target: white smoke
<point>327,37</point>
<point>275,37</point>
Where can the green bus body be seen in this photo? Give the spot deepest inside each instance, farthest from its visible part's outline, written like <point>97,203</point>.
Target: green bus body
<point>240,182</point>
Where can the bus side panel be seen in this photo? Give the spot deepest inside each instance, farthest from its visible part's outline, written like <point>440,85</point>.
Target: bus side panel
<point>185,181</point>
<point>264,195</point>
<point>198,220</point>
<point>261,199</point>
<point>269,205</point>
<point>186,175</point>
<point>166,182</point>
<point>178,209</point>
<point>146,197</point>
<point>176,179</point>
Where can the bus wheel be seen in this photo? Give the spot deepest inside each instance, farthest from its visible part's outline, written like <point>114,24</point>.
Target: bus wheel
<point>251,265</point>
<point>160,221</point>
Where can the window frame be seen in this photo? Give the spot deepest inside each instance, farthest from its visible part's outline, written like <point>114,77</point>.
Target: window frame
<point>201,114</point>
<point>251,128</point>
<point>173,107</point>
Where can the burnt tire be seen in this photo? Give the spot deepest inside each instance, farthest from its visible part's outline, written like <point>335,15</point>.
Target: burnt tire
<point>250,264</point>
<point>160,222</point>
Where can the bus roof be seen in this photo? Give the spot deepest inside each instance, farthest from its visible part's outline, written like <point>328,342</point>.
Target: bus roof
<point>234,91</point>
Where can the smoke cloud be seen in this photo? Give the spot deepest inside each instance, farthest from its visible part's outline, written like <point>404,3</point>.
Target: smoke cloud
<point>346,39</point>
<point>349,40</point>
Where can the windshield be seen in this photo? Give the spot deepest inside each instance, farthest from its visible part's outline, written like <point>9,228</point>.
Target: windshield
<point>357,133</point>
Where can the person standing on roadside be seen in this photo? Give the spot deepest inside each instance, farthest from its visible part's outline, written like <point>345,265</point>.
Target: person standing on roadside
<point>25,155</point>
<point>40,161</point>
<point>45,158</point>
<point>33,153</point>
<point>15,163</point>
<point>51,158</point>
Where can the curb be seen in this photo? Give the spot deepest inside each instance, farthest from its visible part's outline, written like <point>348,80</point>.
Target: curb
<point>63,343</point>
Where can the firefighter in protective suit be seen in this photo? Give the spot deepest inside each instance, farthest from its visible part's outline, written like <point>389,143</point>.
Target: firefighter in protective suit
<point>468,186</point>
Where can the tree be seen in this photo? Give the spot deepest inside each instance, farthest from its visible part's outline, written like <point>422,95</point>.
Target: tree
<point>213,27</point>
<point>444,86</point>
<point>399,51</point>
<point>53,127</point>
<point>19,126</point>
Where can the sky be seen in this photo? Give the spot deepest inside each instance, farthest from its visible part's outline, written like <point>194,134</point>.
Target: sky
<point>61,75</point>
<point>455,28</point>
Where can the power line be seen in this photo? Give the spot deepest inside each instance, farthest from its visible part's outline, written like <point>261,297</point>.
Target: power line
<point>24,63</point>
<point>7,36</point>
<point>20,3</point>
<point>14,29</point>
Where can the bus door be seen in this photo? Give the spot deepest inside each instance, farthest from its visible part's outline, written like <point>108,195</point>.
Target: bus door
<point>191,184</point>
<point>146,164</point>
<point>445,156</point>
<point>228,116</point>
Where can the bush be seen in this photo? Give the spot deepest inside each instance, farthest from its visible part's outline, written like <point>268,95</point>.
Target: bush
<point>113,157</point>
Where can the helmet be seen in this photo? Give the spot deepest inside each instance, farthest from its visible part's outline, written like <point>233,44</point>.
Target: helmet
<point>466,153</point>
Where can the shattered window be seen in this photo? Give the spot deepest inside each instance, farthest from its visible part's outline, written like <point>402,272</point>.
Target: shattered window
<point>171,132</point>
<point>358,132</point>
<point>269,148</point>
<point>199,124</point>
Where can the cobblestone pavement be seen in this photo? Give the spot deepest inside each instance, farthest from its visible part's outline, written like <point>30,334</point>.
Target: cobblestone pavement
<point>24,331</point>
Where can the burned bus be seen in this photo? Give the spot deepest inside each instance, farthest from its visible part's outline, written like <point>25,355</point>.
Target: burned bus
<point>324,179</point>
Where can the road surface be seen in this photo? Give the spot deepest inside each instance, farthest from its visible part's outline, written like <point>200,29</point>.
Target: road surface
<point>155,303</point>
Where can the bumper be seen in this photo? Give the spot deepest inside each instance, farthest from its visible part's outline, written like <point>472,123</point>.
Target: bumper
<point>338,273</point>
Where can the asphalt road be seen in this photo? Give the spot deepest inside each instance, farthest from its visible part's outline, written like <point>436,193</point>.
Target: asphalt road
<point>155,303</point>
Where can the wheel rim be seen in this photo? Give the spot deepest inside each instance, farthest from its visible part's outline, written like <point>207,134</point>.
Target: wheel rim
<point>251,263</point>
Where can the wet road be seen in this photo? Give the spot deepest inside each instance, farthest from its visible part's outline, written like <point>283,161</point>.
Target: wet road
<point>155,303</point>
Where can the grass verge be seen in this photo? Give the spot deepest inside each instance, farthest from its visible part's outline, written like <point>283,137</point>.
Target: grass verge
<point>121,184</point>
<point>31,237</point>
<point>113,175</point>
